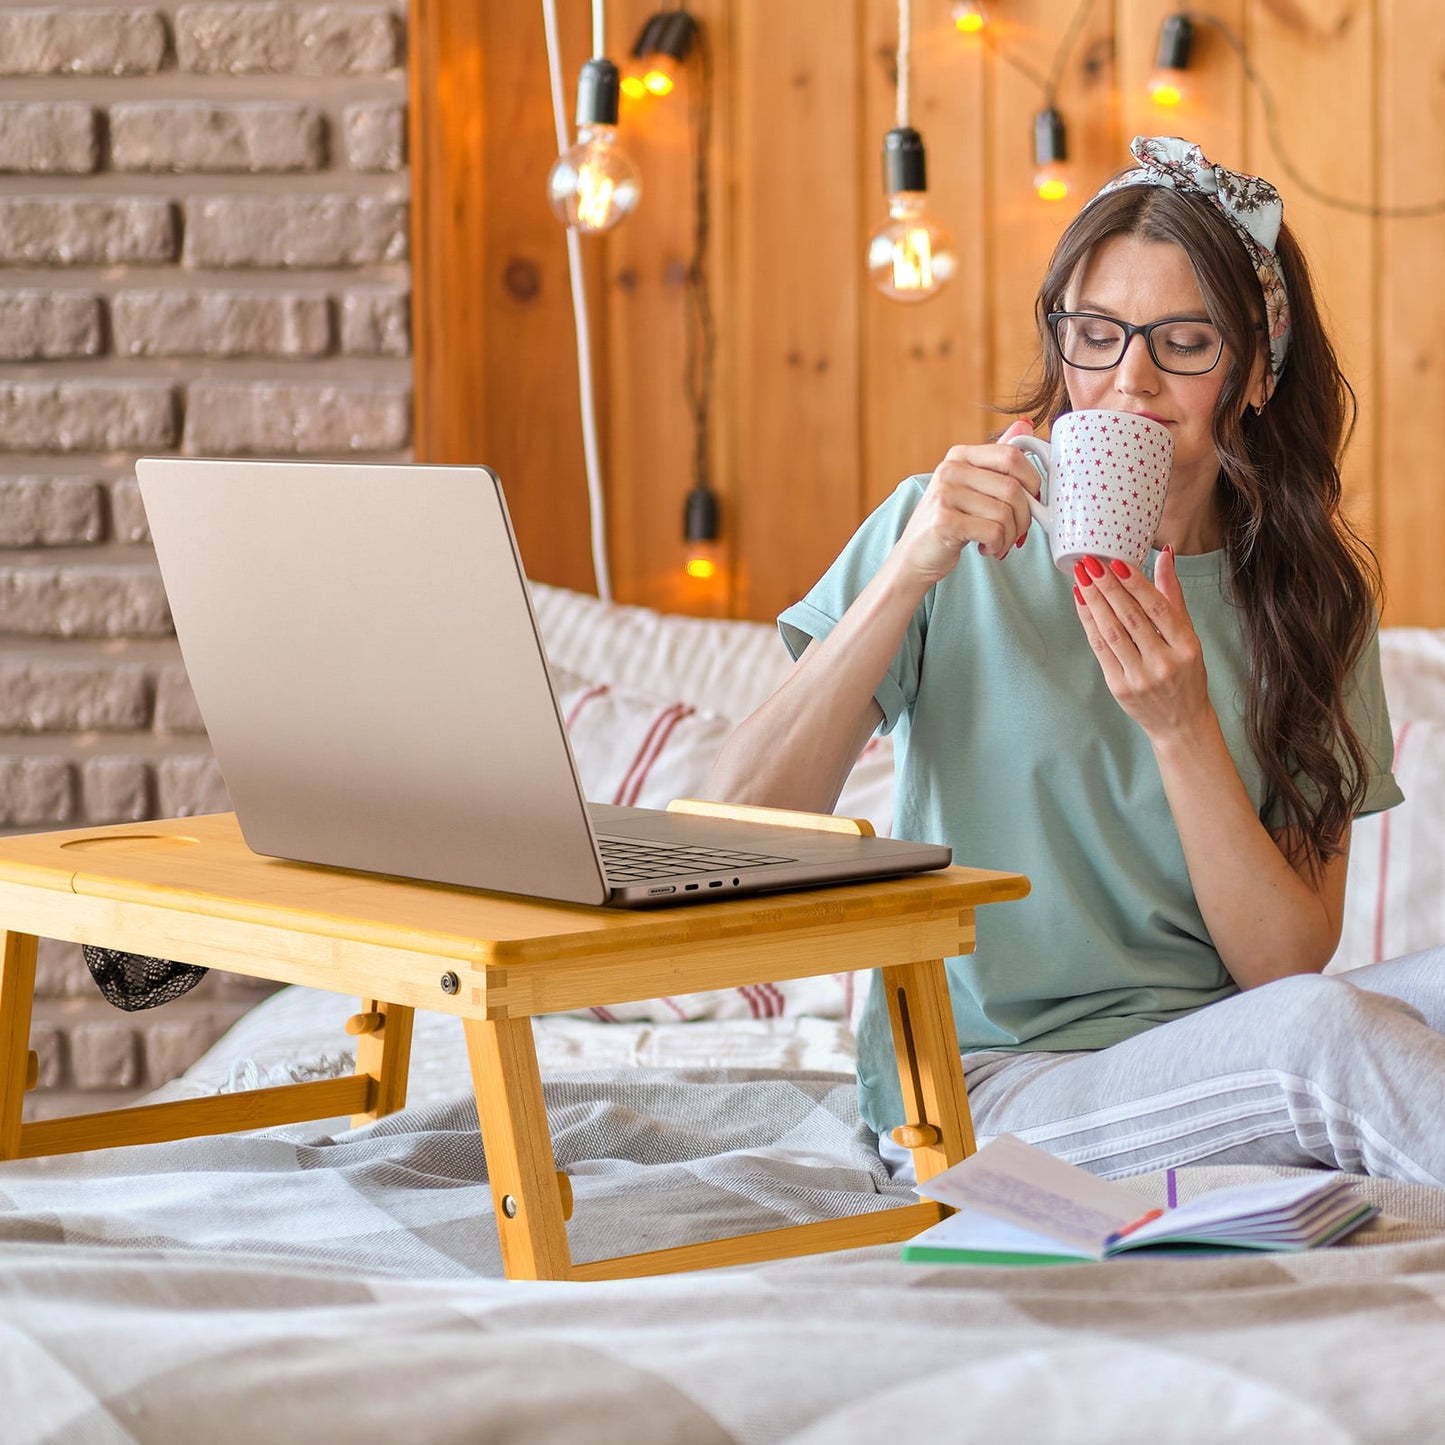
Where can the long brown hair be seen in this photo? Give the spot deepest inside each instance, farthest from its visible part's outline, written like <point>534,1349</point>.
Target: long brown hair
<point>1308,587</point>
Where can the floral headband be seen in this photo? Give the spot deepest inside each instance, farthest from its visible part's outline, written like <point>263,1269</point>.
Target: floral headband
<point>1251,206</point>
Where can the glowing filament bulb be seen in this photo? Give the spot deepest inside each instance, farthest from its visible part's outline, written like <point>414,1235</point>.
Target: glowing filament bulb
<point>910,256</point>
<point>594,184</point>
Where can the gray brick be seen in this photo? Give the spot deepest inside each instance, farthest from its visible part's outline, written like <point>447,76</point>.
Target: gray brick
<point>235,39</point>
<point>42,694</point>
<point>35,791</point>
<point>173,1045</point>
<point>81,40</point>
<point>347,40</point>
<point>221,323</point>
<point>115,789</point>
<point>375,136</point>
<point>330,230</point>
<point>176,710</point>
<point>48,325</point>
<point>48,138</point>
<point>193,136</point>
<point>60,971</point>
<point>102,601</point>
<point>376,322</point>
<point>49,511</point>
<point>48,1044</point>
<point>190,784</point>
<point>127,512</point>
<point>266,418</point>
<point>104,1054</point>
<point>87,416</point>
<point>86,230</point>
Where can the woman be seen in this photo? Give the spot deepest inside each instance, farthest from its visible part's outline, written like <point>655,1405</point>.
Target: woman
<point>1173,756</point>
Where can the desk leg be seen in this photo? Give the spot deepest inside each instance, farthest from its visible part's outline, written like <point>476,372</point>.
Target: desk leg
<point>929,1068</point>
<point>384,1053</point>
<point>518,1141</point>
<point>17,994</point>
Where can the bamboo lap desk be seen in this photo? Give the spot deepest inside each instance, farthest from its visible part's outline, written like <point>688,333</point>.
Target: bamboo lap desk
<point>190,889</point>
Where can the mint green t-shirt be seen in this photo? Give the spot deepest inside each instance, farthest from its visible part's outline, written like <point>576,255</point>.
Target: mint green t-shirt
<point>1010,748</point>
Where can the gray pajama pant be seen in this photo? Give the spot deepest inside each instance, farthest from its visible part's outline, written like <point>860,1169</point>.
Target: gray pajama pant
<point>1345,1072</point>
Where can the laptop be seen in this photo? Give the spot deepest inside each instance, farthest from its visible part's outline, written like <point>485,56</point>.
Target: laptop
<point>362,646</point>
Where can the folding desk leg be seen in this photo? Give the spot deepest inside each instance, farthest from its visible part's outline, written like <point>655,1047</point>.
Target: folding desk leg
<point>939,1128</point>
<point>17,993</point>
<point>383,1050</point>
<point>520,1162</point>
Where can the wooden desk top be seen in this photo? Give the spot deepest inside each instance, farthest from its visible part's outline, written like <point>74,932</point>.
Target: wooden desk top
<point>202,866</point>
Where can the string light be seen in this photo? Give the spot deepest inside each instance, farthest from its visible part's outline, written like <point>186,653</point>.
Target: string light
<point>1051,154</point>
<point>1168,84</point>
<point>662,48</point>
<point>594,184</point>
<point>910,256</point>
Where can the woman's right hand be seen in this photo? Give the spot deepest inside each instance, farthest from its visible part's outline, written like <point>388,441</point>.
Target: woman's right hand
<point>976,494</point>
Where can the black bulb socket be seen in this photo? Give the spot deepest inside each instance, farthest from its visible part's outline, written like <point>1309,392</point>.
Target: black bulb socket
<point>647,36</point>
<point>599,92</point>
<point>700,516</point>
<point>1176,40</point>
<point>675,35</point>
<point>904,166</point>
<point>1049,142</point>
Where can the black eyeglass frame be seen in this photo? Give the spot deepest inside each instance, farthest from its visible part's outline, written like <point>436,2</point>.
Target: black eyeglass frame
<point>1130,332</point>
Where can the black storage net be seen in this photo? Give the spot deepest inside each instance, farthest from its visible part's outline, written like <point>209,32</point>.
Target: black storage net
<point>134,981</point>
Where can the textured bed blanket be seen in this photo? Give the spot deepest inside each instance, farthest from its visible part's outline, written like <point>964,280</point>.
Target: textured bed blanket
<point>299,1284</point>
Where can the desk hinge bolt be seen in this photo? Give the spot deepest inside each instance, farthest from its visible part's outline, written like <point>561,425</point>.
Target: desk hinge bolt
<point>915,1136</point>
<point>509,1206</point>
<point>32,1070</point>
<point>450,983</point>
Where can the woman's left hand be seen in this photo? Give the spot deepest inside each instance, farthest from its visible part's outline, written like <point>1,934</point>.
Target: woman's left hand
<point>1146,645</point>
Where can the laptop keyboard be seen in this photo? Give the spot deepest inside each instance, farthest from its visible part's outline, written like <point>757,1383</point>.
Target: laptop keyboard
<point>627,861</point>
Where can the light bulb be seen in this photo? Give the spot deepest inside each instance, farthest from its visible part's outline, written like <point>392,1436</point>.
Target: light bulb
<point>1051,181</point>
<point>1051,154</point>
<point>969,17</point>
<point>910,256</point>
<point>701,524</point>
<point>702,563</point>
<point>1168,85</point>
<point>661,75</point>
<point>594,184</point>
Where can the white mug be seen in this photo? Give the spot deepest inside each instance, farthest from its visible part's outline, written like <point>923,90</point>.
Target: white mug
<point>1105,475</point>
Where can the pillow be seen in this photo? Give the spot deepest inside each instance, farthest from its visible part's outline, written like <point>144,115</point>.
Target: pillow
<point>1412,663</point>
<point>1395,889</point>
<point>643,751</point>
<point>719,665</point>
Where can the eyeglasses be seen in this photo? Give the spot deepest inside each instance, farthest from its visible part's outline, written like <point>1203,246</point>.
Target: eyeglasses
<point>1096,343</point>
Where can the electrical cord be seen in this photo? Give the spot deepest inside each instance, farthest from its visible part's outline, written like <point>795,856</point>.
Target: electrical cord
<point>591,456</point>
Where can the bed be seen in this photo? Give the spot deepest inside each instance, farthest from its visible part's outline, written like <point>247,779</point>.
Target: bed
<point>313,1280</point>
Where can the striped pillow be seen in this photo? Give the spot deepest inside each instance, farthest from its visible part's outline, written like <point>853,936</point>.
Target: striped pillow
<point>1395,889</point>
<point>642,751</point>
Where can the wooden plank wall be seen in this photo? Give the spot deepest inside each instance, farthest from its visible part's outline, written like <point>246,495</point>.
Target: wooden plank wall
<point>826,394</point>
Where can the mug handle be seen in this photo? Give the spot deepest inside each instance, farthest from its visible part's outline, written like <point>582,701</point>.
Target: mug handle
<point>1039,453</point>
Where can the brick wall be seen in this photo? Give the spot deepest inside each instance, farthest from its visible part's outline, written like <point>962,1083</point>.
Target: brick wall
<point>203,250</point>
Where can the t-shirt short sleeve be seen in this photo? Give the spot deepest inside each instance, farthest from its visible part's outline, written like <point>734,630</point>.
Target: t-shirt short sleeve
<point>821,610</point>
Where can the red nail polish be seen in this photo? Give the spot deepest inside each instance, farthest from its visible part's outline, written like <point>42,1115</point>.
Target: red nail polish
<point>1094,565</point>
<point>1081,575</point>
<point>1121,569</point>
<point>1022,540</point>
<point>1079,597</point>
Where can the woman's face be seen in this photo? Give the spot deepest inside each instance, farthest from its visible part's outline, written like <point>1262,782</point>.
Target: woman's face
<point>1138,280</point>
